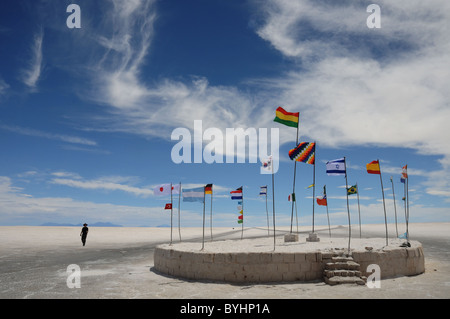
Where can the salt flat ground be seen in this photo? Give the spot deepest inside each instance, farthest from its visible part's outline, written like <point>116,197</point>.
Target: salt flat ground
<point>117,263</point>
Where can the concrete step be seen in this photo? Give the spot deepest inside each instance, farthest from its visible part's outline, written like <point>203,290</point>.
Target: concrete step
<point>342,273</point>
<point>347,265</point>
<point>337,280</point>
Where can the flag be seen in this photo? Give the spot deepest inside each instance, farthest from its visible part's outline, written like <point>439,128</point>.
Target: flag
<point>208,189</point>
<point>267,164</point>
<point>237,194</point>
<point>405,172</point>
<point>312,185</point>
<point>194,194</point>
<point>164,189</point>
<point>373,167</point>
<point>168,206</point>
<point>304,152</point>
<point>291,197</point>
<point>263,190</point>
<point>336,167</point>
<point>402,180</point>
<point>322,200</point>
<point>286,118</point>
<point>241,217</point>
<point>352,190</point>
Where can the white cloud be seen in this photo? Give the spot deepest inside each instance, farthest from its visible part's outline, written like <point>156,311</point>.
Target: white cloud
<point>51,136</point>
<point>30,76</point>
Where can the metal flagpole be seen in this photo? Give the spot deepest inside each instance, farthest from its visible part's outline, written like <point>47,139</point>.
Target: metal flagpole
<point>293,186</point>
<point>210,218</point>
<point>395,205</point>
<point>267,214</point>
<point>171,213</point>
<point>314,185</point>
<point>273,203</point>
<point>179,218</point>
<point>407,204</point>
<point>384,205</point>
<point>328,216</point>
<point>203,238</point>
<point>359,211</point>
<point>348,209</point>
<point>242,232</point>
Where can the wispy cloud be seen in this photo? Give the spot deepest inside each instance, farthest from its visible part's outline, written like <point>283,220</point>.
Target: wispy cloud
<point>51,136</point>
<point>30,75</point>
<point>101,184</point>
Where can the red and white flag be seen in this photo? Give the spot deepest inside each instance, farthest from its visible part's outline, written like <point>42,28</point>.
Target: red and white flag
<point>168,206</point>
<point>164,189</point>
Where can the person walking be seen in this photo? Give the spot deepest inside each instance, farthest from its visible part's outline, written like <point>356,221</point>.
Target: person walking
<point>83,234</point>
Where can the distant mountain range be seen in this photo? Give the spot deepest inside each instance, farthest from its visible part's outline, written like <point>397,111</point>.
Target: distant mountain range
<point>97,224</point>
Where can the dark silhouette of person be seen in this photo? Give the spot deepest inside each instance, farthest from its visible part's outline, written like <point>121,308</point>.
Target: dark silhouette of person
<point>83,234</point>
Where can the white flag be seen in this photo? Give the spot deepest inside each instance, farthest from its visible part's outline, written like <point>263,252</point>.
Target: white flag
<point>164,189</point>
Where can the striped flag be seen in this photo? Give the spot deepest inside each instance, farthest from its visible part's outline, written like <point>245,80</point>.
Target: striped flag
<point>286,118</point>
<point>208,189</point>
<point>263,190</point>
<point>194,194</point>
<point>373,167</point>
<point>237,194</point>
<point>336,167</point>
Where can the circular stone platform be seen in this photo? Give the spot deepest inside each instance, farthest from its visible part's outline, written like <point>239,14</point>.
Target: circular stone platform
<point>254,260</point>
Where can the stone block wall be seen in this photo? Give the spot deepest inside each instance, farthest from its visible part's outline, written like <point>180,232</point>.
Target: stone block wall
<point>243,267</point>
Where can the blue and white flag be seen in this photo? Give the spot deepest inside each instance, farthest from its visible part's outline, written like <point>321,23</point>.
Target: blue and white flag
<point>194,194</point>
<point>263,190</point>
<point>336,167</point>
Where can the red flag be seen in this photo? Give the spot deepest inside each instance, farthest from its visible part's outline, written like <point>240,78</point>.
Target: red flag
<point>168,206</point>
<point>322,201</point>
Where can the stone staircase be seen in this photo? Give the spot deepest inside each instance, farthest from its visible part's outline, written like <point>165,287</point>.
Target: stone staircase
<point>343,270</point>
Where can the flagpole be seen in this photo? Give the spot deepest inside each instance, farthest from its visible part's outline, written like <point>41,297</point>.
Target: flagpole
<point>242,232</point>
<point>203,239</point>
<point>407,203</point>
<point>273,203</point>
<point>359,211</point>
<point>328,216</point>
<point>348,209</point>
<point>210,219</point>
<point>267,214</point>
<point>179,218</point>
<point>395,206</point>
<point>314,184</point>
<point>384,205</point>
<point>171,213</point>
<point>293,186</point>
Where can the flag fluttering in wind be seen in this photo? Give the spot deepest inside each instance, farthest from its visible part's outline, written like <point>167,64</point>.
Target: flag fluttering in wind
<point>263,190</point>
<point>194,195</point>
<point>312,185</point>
<point>237,194</point>
<point>208,189</point>
<point>286,118</point>
<point>322,200</point>
<point>373,167</point>
<point>168,206</point>
<point>291,197</point>
<point>352,190</point>
<point>304,152</point>
<point>164,189</point>
<point>336,167</point>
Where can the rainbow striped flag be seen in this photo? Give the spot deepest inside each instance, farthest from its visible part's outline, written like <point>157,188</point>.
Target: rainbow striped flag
<point>286,118</point>
<point>304,152</point>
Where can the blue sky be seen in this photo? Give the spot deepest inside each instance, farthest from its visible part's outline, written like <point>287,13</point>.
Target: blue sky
<point>87,113</point>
